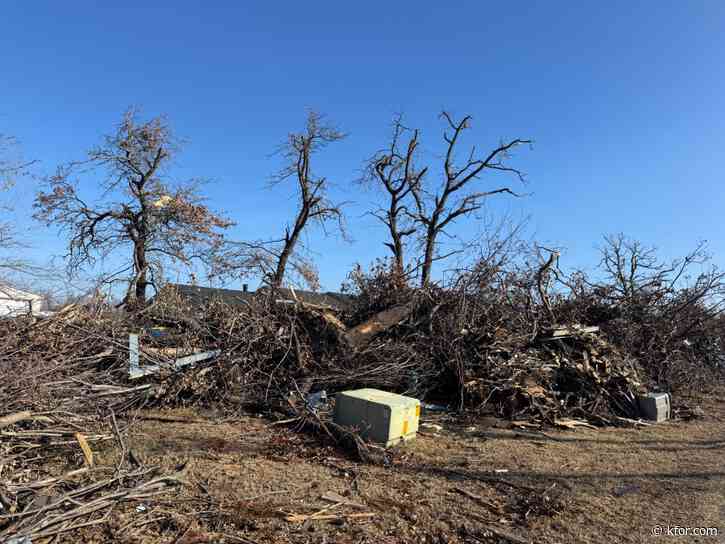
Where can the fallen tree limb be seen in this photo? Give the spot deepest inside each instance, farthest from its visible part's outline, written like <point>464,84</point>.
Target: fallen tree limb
<point>12,419</point>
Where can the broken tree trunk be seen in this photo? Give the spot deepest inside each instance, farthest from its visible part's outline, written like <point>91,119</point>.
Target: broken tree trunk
<point>361,335</point>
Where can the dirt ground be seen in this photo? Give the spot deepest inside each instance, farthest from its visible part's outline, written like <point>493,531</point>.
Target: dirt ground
<point>475,481</point>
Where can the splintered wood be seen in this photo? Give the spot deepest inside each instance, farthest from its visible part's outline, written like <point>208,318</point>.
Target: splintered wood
<point>364,332</point>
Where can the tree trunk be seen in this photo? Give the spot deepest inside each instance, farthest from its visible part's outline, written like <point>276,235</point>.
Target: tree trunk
<point>399,266</point>
<point>141,265</point>
<point>397,245</point>
<point>430,244</point>
<point>278,277</point>
<point>289,246</point>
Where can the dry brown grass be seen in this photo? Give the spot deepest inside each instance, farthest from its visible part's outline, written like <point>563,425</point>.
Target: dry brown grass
<point>589,486</point>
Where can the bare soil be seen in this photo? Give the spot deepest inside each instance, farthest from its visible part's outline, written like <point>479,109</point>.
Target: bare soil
<point>471,481</point>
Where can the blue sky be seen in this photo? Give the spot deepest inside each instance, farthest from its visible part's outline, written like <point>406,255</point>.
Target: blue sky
<point>625,102</point>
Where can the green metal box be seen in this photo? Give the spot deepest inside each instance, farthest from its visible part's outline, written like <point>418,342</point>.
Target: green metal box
<point>379,416</point>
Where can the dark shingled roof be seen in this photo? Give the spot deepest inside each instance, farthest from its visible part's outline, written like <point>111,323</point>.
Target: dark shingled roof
<point>198,296</point>
<point>339,301</point>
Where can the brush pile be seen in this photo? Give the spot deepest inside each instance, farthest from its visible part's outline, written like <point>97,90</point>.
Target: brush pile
<point>64,379</point>
<point>270,353</point>
<point>77,361</point>
<point>496,340</point>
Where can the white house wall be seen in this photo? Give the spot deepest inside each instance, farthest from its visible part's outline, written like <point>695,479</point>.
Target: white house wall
<point>14,302</point>
<point>11,308</point>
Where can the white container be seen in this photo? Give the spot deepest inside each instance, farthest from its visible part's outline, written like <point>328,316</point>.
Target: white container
<point>655,406</point>
<point>377,415</point>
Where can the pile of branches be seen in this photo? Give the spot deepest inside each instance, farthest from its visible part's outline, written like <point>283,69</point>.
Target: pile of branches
<point>64,383</point>
<point>456,347</point>
<point>450,347</point>
<point>514,337</point>
<point>484,340</point>
<point>53,363</point>
<point>669,315</point>
<point>50,484</point>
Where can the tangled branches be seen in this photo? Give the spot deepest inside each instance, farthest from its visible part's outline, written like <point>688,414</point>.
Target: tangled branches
<point>490,341</point>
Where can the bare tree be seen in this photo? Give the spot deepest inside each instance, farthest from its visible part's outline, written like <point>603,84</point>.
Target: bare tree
<point>635,277</point>
<point>11,164</point>
<point>454,198</point>
<point>274,258</point>
<point>12,167</point>
<point>141,210</point>
<point>394,170</point>
<point>8,169</point>
<point>633,269</point>
<point>313,203</point>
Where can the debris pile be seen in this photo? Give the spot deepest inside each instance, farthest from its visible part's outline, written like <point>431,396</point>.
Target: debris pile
<point>75,361</point>
<point>51,484</point>
<point>80,360</point>
<point>577,376</point>
<point>491,342</point>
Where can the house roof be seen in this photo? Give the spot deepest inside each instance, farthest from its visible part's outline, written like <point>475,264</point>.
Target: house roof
<point>338,301</point>
<point>198,296</point>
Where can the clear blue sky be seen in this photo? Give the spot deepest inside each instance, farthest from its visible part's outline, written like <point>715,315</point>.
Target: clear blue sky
<point>625,102</point>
